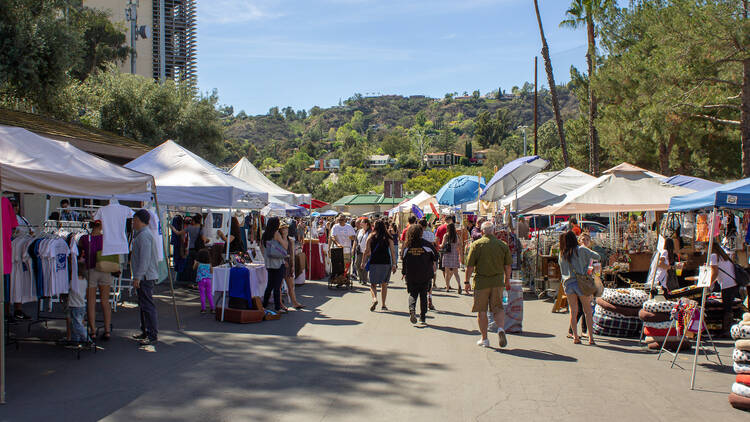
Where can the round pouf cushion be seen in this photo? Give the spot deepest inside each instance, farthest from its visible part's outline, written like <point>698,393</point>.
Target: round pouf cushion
<point>613,325</point>
<point>659,325</point>
<point>625,297</point>
<point>739,402</point>
<point>657,306</point>
<point>658,332</point>
<point>743,379</point>
<point>741,356</point>
<point>741,390</point>
<point>617,309</point>
<point>741,368</point>
<point>742,345</point>
<point>740,332</point>
<point>647,316</point>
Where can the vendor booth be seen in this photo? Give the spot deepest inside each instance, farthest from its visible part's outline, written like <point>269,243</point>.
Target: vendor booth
<point>246,171</point>
<point>30,163</point>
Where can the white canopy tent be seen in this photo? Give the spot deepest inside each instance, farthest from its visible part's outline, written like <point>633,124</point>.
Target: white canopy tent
<point>185,179</point>
<point>30,163</point>
<point>620,189</point>
<point>422,200</point>
<point>246,171</point>
<point>545,188</point>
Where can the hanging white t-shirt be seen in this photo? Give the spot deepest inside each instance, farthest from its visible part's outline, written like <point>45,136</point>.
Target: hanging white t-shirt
<point>114,238</point>
<point>343,235</point>
<point>726,271</point>
<point>661,273</point>
<point>154,224</point>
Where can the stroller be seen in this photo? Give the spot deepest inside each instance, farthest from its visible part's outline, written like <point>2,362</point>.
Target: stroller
<point>338,276</point>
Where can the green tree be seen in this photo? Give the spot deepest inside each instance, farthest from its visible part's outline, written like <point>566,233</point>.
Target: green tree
<point>295,166</point>
<point>358,122</point>
<point>103,42</point>
<point>583,13</point>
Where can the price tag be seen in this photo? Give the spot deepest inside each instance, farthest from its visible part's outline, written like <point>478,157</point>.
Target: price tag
<point>704,276</point>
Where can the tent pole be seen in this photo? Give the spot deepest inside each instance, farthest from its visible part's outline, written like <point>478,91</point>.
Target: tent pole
<point>169,270</point>
<point>46,208</point>
<point>703,297</point>
<point>224,293</point>
<point>2,302</point>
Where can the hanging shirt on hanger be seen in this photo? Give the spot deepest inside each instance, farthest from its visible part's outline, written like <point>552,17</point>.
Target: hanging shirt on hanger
<point>113,218</point>
<point>154,224</point>
<point>9,224</point>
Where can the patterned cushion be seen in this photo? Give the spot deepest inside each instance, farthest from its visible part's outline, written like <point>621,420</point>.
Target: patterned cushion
<point>741,356</point>
<point>660,339</point>
<point>622,310</point>
<point>647,316</point>
<point>739,402</point>
<point>603,312</point>
<point>658,325</point>
<point>740,332</point>
<point>741,390</point>
<point>743,379</point>
<point>657,306</point>
<point>617,326</point>
<point>742,345</point>
<point>741,368</point>
<point>657,332</point>
<point>625,297</point>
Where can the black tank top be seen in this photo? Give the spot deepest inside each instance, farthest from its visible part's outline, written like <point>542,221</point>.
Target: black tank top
<point>380,251</point>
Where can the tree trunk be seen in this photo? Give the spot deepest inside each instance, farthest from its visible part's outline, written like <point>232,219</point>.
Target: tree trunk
<point>552,89</point>
<point>593,135</point>
<point>665,150</point>
<point>745,118</point>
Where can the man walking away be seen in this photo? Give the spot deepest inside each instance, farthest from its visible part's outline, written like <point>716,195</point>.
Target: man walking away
<point>489,260</point>
<point>145,273</point>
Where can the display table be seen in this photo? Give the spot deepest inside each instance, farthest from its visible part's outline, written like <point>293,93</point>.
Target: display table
<point>316,269</point>
<point>258,279</point>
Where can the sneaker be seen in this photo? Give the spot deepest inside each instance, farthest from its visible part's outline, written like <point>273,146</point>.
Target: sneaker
<point>412,316</point>
<point>423,321</point>
<point>373,306</point>
<point>139,337</point>
<point>503,338</point>
<point>483,343</point>
<point>147,341</point>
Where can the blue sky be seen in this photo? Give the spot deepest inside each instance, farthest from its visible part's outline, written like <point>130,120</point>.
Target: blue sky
<point>301,53</point>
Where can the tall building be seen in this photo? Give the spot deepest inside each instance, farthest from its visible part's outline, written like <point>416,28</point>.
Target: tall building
<point>165,36</point>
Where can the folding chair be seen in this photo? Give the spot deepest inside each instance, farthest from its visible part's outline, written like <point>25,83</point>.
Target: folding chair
<point>694,317</point>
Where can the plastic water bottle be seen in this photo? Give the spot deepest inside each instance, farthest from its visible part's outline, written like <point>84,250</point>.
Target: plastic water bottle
<point>505,298</point>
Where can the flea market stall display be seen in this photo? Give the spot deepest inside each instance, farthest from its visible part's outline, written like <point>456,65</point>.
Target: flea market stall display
<point>34,164</point>
<point>621,190</point>
<point>187,181</point>
<point>733,198</point>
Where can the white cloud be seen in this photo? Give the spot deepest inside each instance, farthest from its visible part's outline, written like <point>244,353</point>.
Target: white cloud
<point>237,11</point>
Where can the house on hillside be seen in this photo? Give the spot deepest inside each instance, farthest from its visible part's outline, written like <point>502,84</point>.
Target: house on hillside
<point>330,164</point>
<point>481,156</point>
<point>380,161</point>
<point>441,159</point>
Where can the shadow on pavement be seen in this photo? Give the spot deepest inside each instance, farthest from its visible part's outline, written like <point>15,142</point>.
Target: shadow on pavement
<point>537,355</point>
<point>532,334</point>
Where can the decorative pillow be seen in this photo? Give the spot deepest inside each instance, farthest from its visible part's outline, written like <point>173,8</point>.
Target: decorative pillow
<point>739,402</point>
<point>741,368</point>
<point>743,379</point>
<point>740,332</point>
<point>603,312</point>
<point>659,325</point>
<point>605,325</point>
<point>741,390</point>
<point>647,316</point>
<point>742,345</point>
<point>656,306</point>
<point>656,332</point>
<point>741,356</point>
<point>625,297</point>
<point>622,310</point>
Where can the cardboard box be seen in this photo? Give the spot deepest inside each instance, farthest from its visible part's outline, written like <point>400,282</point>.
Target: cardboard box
<point>240,316</point>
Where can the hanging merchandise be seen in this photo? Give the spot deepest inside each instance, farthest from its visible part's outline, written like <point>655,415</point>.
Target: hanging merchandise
<point>114,217</point>
<point>701,228</point>
<point>9,224</point>
<point>154,224</point>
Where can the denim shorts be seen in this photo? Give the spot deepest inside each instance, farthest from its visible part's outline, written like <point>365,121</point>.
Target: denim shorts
<point>571,288</point>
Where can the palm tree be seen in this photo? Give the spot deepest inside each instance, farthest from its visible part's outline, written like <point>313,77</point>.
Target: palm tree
<point>582,12</point>
<point>552,89</point>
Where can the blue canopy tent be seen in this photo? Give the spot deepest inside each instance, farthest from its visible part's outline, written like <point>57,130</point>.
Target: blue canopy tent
<point>690,182</point>
<point>329,213</point>
<point>735,195</point>
<point>460,190</point>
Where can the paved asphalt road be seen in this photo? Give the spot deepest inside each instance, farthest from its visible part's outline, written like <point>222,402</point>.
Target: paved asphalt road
<point>337,361</point>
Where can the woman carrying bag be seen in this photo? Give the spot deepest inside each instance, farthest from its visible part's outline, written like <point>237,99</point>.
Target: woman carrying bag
<point>379,260</point>
<point>574,262</point>
<point>100,269</point>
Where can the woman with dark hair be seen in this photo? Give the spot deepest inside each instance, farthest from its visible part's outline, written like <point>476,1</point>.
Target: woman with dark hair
<point>418,266</point>
<point>452,250</point>
<point>274,253</point>
<point>381,256</point>
<point>235,237</point>
<point>289,268</point>
<point>574,261</point>
<point>722,271</point>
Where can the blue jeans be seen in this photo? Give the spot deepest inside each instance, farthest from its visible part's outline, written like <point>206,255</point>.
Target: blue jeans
<point>77,329</point>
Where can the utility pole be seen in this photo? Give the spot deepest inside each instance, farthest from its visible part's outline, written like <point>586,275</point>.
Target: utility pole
<point>524,127</point>
<point>536,108</point>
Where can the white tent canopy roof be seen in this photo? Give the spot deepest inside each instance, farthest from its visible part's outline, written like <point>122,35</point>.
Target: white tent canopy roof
<point>246,171</point>
<point>546,187</point>
<point>185,179</point>
<point>31,163</point>
<point>422,200</point>
<point>616,191</point>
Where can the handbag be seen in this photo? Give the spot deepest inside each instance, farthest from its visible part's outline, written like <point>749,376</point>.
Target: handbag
<point>107,263</point>
<point>586,284</point>
<point>446,247</point>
